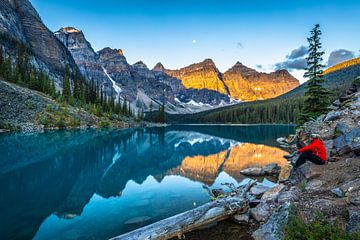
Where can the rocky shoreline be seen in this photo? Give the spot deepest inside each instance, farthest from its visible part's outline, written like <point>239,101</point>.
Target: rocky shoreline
<point>25,110</point>
<point>332,189</point>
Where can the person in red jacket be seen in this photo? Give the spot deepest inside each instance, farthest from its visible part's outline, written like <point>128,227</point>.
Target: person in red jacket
<point>315,152</point>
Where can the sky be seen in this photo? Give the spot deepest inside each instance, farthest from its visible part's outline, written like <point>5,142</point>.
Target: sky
<point>262,34</point>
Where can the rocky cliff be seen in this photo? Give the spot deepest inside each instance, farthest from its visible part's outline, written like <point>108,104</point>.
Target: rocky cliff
<point>136,83</point>
<point>239,82</point>
<point>332,189</point>
<point>20,23</point>
<point>248,85</point>
<point>203,75</point>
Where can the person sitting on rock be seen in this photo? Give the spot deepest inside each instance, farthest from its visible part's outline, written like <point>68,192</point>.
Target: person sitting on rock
<point>315,152</point>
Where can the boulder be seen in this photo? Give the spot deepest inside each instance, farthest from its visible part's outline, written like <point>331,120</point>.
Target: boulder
<point>273,229</point>
<point>353,224</point>
<point>310,170</point>
<point>271,169</point>
<point>348,142</point>
<point>259,189</point>
<point>355,200</point>
<point>285,172</point>
<point>289,196</point>
<point>313,185</point>
<point>336,103</point>
<point>242,218</point>
<point>351,186</point>
<point>340,129</point>
<point>272,194</point>
<point>338,192</point>
<point>332,115</point>
<point>255,171</point>
<point>261,212</point>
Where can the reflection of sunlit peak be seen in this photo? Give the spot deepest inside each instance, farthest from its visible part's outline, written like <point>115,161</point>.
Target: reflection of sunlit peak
<point>258,155</point>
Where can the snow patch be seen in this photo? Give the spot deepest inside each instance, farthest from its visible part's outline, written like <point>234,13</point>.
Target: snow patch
<point>117,89</point>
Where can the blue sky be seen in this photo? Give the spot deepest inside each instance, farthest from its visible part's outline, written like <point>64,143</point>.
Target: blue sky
<point>258,33</point>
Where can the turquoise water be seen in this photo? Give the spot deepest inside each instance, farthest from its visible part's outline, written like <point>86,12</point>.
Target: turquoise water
<point>96,184</point>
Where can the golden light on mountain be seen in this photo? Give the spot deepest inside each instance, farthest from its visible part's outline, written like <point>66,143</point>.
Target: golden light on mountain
<point>202,75</point>
<point>206,168</point>
<point>342,65</point>
<point>240,82</point>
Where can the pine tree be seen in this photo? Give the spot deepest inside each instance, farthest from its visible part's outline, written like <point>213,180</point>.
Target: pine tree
<point>66,86</point>
<point>316,96</point>
<point>2,59</point>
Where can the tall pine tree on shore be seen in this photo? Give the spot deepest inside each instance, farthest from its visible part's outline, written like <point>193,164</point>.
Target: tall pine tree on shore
<point>316,96</point>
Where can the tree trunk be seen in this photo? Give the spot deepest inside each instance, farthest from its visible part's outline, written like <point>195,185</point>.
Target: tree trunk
<point>193,219</point>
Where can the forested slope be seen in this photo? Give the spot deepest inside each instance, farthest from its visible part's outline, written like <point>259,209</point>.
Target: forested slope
<point>283,109</point>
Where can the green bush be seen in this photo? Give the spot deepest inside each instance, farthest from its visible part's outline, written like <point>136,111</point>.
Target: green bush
<point>104,124</point>
<point>318,229</point>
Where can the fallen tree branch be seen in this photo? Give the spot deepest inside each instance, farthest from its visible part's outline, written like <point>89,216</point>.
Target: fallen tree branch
<point>190,220</point>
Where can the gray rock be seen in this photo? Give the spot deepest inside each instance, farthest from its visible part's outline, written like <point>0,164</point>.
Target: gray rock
<point>313,185</point>
<point>285,172</point>
<point>331,116</point>
<point>336,103</point>
<point>255,171</point>
<point>310,170</point>
<point>329,145</point>
<point>355,200</point>
<point>261,212</point>
<point>289,196</point>
<point>340,129</point>
<point>348,142</point>
<point>273,229</point>
<point>272,169</point>
<point>354,220</point>
<point>351,186</point>
<point>338,192</point>
<point>242,218</point>
<point>259,189</point>
<point>272,194</point>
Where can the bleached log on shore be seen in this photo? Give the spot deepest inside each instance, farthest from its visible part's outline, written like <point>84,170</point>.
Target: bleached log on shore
<point>193,219</point>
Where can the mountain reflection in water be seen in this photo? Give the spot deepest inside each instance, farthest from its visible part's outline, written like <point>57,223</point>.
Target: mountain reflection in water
<point>98,184</point>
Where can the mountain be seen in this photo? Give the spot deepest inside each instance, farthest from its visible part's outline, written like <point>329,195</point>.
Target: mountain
<point>343,65</point>
<point>282,109</point>
<point>239,82</point>
<point>136,83</point>
<point>200,75</point>
<point>248,85</point>
<point>20,24</point>
<point>198,87</point>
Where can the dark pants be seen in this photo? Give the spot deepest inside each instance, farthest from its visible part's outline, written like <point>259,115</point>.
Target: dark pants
<point>308,156</point>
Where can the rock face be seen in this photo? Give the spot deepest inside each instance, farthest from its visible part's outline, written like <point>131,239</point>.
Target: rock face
<point>20,23</point>
<point>85,57</point>
<point>136,83</point>
<point>240,82</point>
<point>201,75</point>
<point>247,84</point>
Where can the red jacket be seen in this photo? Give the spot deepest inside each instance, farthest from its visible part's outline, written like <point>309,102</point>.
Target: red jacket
<point>316,147</point>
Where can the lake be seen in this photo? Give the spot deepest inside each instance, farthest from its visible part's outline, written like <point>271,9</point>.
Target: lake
<point>96,184</point>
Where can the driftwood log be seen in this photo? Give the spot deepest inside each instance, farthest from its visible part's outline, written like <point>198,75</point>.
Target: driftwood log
<point>220,209</point>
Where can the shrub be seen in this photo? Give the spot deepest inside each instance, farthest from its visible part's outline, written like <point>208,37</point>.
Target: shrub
<point>104,124</point>
<point>318,229</point>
